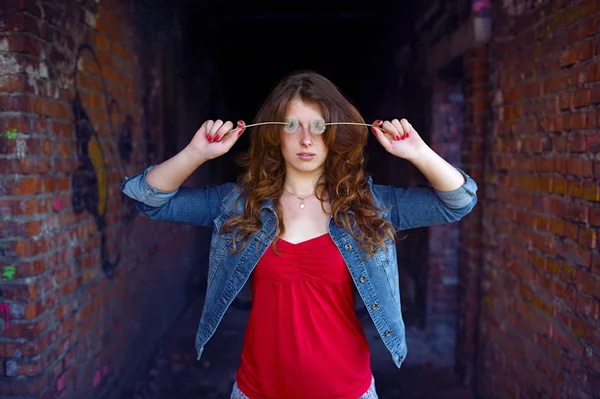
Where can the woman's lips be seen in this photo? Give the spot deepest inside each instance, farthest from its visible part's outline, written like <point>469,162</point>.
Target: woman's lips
<point>306,155</point>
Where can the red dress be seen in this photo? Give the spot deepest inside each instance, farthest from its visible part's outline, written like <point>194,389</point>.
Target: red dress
<point>303,338</point>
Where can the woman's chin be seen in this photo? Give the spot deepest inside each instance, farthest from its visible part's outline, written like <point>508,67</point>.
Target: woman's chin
<point>307,167</point>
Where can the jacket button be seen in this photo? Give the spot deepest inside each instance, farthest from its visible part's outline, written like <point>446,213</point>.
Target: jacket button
<point>388,333</point>
<point>374,306</point>
<point>348,247</point>
<point>400,358</point>
<point>363,279</point>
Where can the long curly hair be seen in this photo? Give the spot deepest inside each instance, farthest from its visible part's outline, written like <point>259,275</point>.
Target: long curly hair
<point>344,181</point>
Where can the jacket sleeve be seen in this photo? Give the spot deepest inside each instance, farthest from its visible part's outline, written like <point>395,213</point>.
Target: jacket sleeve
<point>198,206</point>
<point>425,206</point>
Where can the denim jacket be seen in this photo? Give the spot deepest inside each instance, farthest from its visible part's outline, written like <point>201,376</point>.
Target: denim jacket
<point>375,278</point>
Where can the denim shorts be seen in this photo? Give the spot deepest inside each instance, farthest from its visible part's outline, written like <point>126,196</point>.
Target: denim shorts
<point>370,394</point>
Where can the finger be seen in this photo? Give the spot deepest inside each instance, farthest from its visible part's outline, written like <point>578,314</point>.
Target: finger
<point>207,126</point>
<point>391,130</point>
<point>215,128</point>
<point>406,126</point>
<point>223,130</point>
<point>228,141</point>
<point>382,138</point>
<point>202,129</point>
<point>401,130</point>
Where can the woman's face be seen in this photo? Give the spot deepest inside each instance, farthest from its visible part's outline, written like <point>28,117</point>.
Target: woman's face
<point>303,151</point>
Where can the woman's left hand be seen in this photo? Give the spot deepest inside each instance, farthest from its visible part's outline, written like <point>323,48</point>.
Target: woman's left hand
<point>399,138</point>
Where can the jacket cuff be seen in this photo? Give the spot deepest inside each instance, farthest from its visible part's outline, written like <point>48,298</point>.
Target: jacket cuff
<point>462,196</point>
<point>137,188</point>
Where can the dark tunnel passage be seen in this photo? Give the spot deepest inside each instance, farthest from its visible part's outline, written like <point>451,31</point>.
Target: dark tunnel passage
<point>252,45</point>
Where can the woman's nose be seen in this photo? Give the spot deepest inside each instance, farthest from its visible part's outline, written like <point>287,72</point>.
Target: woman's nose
<point>306,137</point>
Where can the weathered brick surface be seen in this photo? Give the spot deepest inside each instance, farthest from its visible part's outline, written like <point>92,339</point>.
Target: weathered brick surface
<point>86,89</point>
<point>539,329</point>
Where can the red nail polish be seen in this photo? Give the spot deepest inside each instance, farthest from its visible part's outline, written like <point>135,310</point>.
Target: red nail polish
<point>240,132</point>
<point>373,130</point>
<point>210,139</point>
<point>378,122</point>
<point>217,137</point>
<point>241,123</point>
<point>398,137</point>
<point>207,138</point>
<point>407,134</point>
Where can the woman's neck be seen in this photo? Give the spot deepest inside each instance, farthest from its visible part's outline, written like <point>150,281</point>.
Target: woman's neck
<point>301,184</point>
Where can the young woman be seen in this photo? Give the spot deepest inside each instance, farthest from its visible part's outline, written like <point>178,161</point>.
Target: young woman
<point>307,226</point>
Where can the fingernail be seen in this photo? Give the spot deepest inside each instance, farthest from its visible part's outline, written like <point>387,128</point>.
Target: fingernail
<point>240,132</point>
<point>241,123</point>
<point>378,122</point>
<point>398,137</point>
<point>373,129</point>
<point>217,137</point>
<point>210,139</point>
<point>407,134</point>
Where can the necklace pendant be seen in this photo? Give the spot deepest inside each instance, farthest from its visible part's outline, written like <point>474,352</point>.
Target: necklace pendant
<point>302,204</point>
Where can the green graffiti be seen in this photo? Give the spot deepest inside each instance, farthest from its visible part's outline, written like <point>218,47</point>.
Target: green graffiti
<point>11,133</point>
<point>9,272</point>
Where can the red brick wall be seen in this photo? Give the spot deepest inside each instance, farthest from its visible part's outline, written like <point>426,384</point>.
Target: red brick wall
<point>540,329</point>
<point>88,283</point>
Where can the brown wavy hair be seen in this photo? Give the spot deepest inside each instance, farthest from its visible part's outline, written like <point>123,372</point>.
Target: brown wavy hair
<point>344,180</point>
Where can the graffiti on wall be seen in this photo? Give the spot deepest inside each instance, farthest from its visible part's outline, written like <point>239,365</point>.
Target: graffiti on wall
<point>8,272</point>
<point>90,180</point>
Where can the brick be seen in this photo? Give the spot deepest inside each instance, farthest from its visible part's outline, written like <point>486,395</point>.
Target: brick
<point>565,100</point>
<point>20,22</point>
<point>595,94</point>
<point>595,267</point>
<point>585,50</point>
<point>578,143</point>
<point>593,143</point>
<point>594,218</point>
<point>583,305</point>
<point>588,283</point>
<point>580,167</point>
<point>587,237</point>
<point>579,121</point>
<point>581,98</point>
<point>568,58</point>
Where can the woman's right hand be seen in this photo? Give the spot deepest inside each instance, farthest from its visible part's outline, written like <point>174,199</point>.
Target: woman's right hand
<point>213,139</point>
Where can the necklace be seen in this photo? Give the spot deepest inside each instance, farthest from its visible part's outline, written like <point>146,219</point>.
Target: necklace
<point>302,203</point>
